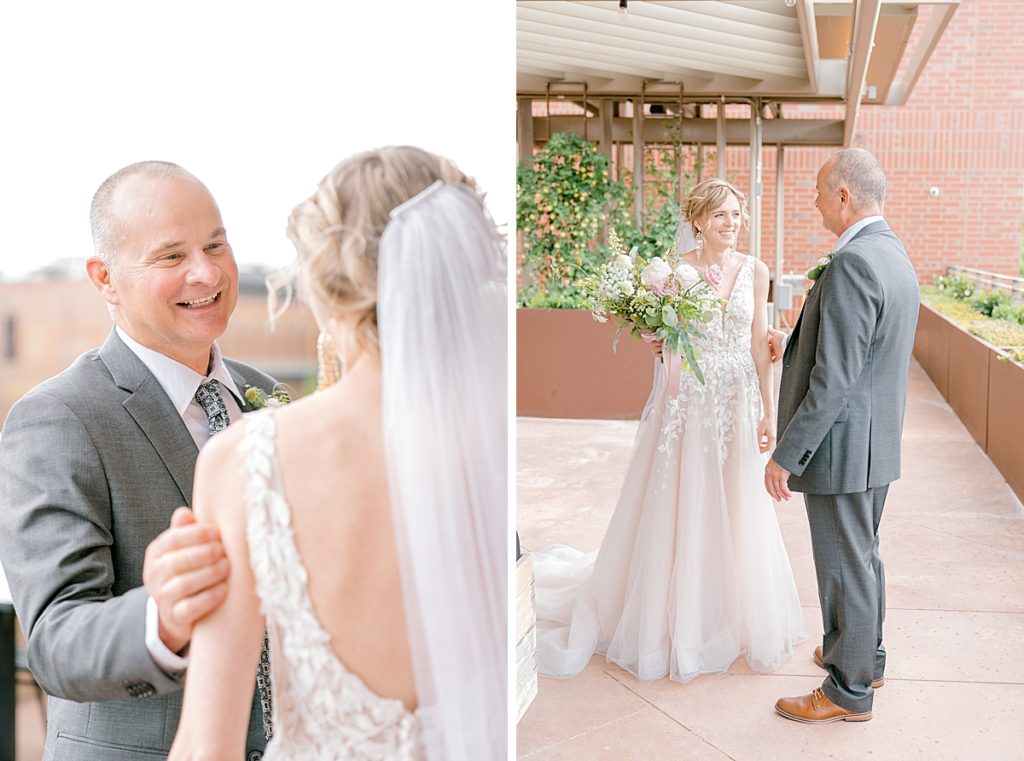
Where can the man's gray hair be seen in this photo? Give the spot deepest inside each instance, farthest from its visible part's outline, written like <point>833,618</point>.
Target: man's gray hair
<point>858,170</point>
<point>107,231</point>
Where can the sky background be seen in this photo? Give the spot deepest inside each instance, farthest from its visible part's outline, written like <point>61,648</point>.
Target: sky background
<point>258,99</point>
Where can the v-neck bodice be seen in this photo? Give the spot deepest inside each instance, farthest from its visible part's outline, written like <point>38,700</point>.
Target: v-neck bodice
<point>730,330</point>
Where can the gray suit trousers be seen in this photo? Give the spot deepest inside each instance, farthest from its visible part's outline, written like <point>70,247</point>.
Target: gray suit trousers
<point>851,587</point>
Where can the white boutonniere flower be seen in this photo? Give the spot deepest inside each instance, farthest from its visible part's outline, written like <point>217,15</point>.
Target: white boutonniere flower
<point>258,398</point>
<point>815,272</point>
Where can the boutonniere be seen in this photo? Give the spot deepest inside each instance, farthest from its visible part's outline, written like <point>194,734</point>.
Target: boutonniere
<point>815,272</point>
<point>258,398</point>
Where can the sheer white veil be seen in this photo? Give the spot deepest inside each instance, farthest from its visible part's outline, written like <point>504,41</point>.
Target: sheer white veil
<point>685,238</point>
<point>441,317</point>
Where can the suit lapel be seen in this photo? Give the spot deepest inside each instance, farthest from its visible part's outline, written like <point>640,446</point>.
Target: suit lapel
<point>792,338</point>
<point>875,227</point>
<point>811,299</point>
<point>152,410</point>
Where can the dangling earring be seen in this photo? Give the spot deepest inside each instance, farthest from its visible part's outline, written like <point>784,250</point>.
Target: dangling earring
<point>700,244</point>
<point>328,365</point>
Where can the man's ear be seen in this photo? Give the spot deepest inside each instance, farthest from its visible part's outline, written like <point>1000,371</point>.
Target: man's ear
<point>100,275</point>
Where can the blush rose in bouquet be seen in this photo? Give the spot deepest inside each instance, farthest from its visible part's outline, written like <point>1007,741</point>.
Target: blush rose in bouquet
<point>660,297</point>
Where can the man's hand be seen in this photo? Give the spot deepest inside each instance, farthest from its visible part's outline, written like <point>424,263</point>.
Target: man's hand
<point>776,481</point>
<point>185,571</point>
<point>775,341</point>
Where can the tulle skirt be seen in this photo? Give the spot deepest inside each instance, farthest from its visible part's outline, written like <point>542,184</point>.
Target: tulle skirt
<point>692,572</point>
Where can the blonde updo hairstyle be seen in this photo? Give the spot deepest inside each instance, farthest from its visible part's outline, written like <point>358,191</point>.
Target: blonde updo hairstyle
<point>708,196</point>
<point>336,232</point>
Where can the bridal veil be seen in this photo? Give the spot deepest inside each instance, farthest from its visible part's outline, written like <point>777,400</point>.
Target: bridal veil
<point>441,317</point>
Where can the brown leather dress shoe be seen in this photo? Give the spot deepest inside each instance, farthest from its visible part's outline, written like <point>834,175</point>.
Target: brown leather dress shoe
<point>819,658</point>
<point>816,708</point>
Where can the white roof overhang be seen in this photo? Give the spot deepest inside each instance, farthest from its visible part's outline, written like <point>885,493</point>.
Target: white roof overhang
<point>811,51</point>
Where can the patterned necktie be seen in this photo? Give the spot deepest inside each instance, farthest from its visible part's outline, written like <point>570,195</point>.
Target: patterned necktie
<point>209,398</point>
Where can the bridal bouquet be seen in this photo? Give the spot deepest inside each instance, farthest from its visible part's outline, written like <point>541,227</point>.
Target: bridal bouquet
<point>659,296</point>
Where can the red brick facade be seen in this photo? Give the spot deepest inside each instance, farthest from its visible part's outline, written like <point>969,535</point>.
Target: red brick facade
<point>961,131</point>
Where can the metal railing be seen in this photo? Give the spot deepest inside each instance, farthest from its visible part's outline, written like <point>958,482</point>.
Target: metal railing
<point>1012,285</point>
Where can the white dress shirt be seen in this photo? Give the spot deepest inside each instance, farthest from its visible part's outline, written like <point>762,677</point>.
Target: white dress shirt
<point>853,229</point>
<point>180,383</point>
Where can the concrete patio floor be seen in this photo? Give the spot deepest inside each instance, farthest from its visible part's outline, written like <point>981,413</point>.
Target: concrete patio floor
<point>953,545</point>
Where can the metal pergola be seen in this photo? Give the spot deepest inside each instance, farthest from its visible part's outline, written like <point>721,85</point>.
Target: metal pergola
<point>616,59</point>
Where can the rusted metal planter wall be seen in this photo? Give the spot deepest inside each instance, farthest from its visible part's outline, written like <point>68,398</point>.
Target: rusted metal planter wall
<point>931,348</point>
<point>565,367</point>
<point>1005,445</point>
<point>968,381</point>
<point>985,390</point>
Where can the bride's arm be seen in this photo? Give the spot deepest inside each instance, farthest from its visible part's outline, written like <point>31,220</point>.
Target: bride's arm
<point>225,647</point>
<point>762,358</point>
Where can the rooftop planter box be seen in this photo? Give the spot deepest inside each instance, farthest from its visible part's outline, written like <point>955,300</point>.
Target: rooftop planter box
<point>1005,439</point>
<point>931,348</point>
<point>969,361</point>
<point>982,383</point>
<point>565,367</point>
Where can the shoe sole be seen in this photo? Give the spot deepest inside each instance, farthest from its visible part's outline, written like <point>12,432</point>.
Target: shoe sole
<point>843,717</point>
<point>877,684</point>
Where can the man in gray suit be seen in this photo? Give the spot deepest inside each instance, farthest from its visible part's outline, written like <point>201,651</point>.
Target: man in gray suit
<point>841,405</point>
<point>95,462</point>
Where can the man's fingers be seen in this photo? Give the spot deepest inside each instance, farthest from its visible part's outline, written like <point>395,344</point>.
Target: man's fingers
<point>179,537</point>
<point>193,582</point>
<point>192,558</point>
<point>191,609</point>
<point>182,517</point>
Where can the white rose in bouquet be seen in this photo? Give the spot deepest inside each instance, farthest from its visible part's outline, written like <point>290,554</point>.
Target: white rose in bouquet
<point>686,275</point>
<point>656,274</point>
<point>624,261</point>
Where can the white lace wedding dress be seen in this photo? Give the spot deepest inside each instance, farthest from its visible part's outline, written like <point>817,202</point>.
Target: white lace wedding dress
<point>322,711</point>
<point>692,572</point>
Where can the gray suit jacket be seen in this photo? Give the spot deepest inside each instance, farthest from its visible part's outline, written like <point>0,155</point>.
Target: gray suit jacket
<point>844,376</point>
<point>92,464</point>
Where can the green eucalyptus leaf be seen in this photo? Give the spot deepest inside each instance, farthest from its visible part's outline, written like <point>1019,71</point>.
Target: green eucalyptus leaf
<point>691,358</point>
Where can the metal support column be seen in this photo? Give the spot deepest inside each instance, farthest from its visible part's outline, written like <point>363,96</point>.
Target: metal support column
<point>756,163</point>
<point>524,114</point>
<point>677,151</point>
<point>779,294</point>
<point>757,128</point>
<point>720,133</point>
<point>607,106</point>
<point>638,160</point>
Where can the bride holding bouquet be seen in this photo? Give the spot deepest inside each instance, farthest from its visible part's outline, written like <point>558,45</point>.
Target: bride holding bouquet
<point>692,572</point>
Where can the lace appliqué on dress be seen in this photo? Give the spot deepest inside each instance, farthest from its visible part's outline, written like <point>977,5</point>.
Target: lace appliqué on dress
<point>731,386</point>
<point>322,710</point>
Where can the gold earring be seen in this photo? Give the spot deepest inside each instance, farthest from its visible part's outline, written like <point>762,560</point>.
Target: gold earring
<point>328,365</point>
<point>700,244</point>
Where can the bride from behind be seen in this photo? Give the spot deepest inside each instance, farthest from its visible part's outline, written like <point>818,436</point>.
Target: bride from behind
<point>365,525</point>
